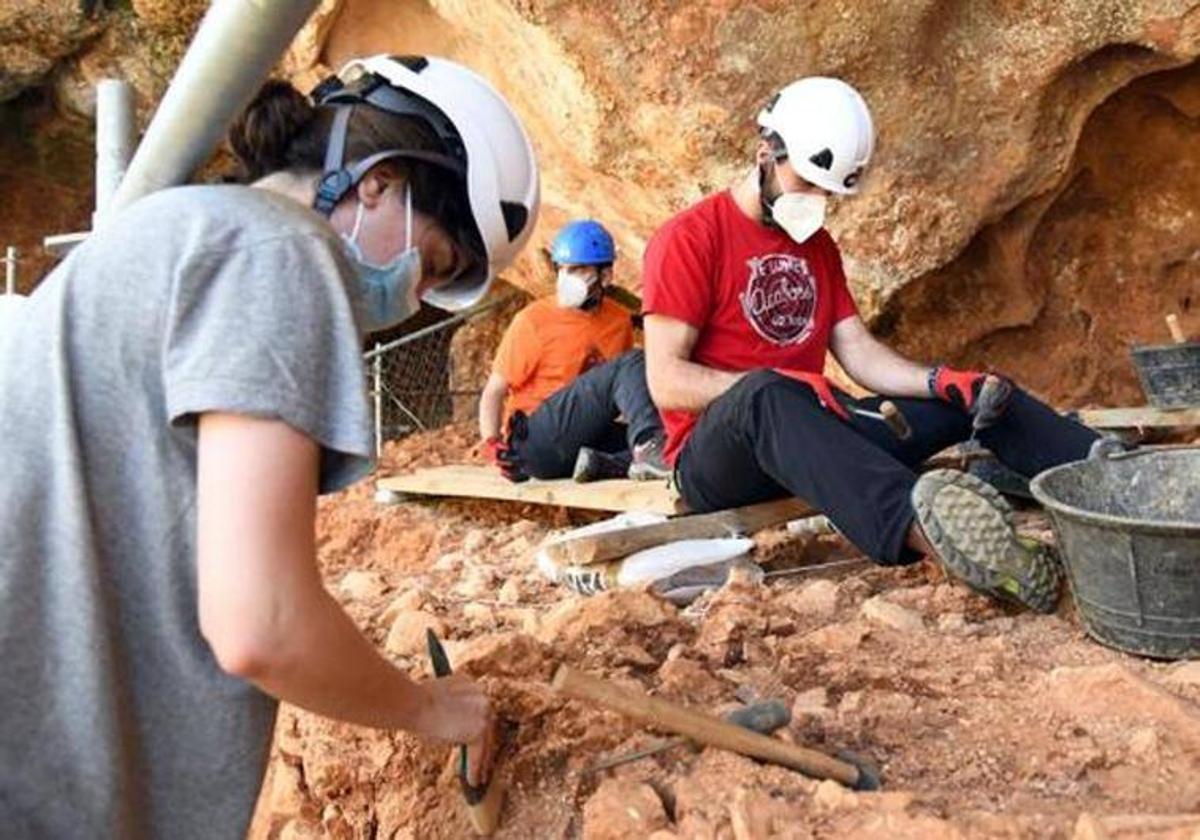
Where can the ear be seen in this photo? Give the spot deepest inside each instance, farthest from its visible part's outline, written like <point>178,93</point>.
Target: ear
<point>376,182</point>
<point>764,153</point>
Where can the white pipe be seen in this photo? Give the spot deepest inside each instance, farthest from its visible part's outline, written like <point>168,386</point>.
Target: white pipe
<point>237,44</point>
<point>10,270</point>
<point>114,139</point>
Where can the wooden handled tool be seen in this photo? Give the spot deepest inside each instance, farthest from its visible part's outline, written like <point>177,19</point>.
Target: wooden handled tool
<point>766,717</point>
<point>1176,331</point>
<point>702,728</point>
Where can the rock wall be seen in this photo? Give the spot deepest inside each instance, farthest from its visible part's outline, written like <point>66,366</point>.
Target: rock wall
<point>1032,199</point>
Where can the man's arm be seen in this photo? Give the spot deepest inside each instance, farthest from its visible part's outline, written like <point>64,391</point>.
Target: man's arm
<point>873,364</point>
<point>263,608</point>
<point>677,383</point>
<point>491,407</point>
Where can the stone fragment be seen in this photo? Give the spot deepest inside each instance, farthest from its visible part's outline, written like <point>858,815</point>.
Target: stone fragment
<point>474,541</point>
<point>831,796</point>
<point>1087,827</point>
<point>622,808</point>
<point>407,634</point>
<point>510,592</point>
<point>362,585</point>
<point>884,612</point>
<point>817,598</point>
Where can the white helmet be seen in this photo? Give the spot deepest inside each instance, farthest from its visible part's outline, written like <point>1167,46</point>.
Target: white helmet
<point>826,131</point>
<point>484,141</point>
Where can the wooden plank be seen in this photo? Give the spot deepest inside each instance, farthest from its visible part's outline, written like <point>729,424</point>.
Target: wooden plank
<point>599,548</point>
<point>1142,416</point>
<point>476,482</point>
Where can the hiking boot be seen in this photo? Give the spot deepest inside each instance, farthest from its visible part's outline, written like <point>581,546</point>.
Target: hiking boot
<point>970,526</point>
<point>594,465</point>
<point>648,461</point>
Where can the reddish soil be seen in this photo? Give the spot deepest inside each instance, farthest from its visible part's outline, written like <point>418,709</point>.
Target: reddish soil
<point>985,722</point>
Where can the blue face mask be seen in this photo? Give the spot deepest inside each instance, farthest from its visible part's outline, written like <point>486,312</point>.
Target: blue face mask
<point>385,295</point>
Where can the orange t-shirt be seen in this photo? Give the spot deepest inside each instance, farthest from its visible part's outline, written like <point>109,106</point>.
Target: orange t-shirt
<point>546,346</point>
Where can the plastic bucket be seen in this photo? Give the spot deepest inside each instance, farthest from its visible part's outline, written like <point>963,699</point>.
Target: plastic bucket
<point>1129,532</point>
<point>1169,373</point>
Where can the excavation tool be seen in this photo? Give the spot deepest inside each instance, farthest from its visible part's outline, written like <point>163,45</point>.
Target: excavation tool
<point>712,731</point>
<point>989,407</point>
<point>765,717</point>
<point>890,416</point>
<point>484,801</point>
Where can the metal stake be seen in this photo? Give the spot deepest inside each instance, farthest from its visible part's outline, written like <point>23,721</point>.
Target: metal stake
<point>377,370</point>
<point>10,270</point>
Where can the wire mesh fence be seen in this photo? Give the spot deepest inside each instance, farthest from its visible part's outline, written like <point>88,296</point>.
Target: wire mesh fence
<point>411,379</point>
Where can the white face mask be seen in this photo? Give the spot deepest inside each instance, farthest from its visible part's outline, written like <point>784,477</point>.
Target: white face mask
<point>572,288</point>
<point>386,295</point>
<point>800,214</point>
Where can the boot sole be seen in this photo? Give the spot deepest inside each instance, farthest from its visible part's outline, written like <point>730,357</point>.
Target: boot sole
<point>971,527</point>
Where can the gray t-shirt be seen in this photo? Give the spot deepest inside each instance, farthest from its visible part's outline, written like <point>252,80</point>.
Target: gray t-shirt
<point>115,720</point>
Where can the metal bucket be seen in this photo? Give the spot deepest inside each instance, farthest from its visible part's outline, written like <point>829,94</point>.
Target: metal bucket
<point>1129,531</point>
<point>1169,373</point>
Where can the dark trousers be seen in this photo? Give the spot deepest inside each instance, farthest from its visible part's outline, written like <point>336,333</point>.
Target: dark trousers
<point>585,413</point>
<point>769,437</point>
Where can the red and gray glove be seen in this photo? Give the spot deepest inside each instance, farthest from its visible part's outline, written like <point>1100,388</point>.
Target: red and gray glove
<point>820,386</point>
<point>497,453</point>
<point>957,387</point>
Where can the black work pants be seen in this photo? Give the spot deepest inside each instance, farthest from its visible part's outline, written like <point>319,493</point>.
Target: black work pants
<point>768,437</point>
<point>585,413</point>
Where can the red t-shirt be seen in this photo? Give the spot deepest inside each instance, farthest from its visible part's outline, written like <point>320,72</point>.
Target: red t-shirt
<point>759,299</point>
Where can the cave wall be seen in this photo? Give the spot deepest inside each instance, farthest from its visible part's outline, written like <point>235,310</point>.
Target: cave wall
<point>1032,199</point>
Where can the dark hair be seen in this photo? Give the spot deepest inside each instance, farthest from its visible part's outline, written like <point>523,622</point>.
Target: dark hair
<point>281,130</point>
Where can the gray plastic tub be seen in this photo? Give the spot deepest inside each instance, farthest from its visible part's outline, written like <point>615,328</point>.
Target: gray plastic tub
<point>1129,532</point>
<point>1169,373</point>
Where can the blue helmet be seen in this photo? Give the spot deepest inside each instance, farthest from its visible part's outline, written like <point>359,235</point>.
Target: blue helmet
<point>583,242</point>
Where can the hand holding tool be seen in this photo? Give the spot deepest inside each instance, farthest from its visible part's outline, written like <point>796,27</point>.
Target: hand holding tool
<point>484,801</point>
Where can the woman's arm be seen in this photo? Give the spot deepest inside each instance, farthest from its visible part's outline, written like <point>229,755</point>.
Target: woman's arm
<point>264,610</point>
<point>873,364</point>
<point>491,407</point>
<point>676,382</point>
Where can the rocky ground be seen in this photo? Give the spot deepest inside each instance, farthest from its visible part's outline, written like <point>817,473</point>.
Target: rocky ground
<point>985,722</point>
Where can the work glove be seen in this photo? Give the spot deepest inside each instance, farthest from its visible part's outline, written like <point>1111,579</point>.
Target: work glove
<point>497,453</point>
<point>957,387</point>
<point>820,386</point>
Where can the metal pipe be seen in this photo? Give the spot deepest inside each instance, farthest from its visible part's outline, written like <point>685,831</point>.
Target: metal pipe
<point>115,139</point>
<point>10,270</point>
<point>377,370</point>
<point>237,44</point>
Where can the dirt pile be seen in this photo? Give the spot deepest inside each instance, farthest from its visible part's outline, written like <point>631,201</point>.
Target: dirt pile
<point>985,723</point>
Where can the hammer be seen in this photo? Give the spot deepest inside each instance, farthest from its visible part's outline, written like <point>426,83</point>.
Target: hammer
<point>888,414</point>
<point>712,731</point>
<point>766,717</point>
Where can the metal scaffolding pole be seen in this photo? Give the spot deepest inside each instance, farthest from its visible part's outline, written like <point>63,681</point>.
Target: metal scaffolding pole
<point>237,44</point>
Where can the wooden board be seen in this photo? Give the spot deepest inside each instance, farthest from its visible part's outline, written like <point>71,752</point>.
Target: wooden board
<point>1142,416</point>
<point>599,548</point>
<point>466,481</point>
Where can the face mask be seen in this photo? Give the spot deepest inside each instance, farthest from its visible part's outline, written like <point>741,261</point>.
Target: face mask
<point>799,214</point>
<point>386,295</point>
<point>572,289</point>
